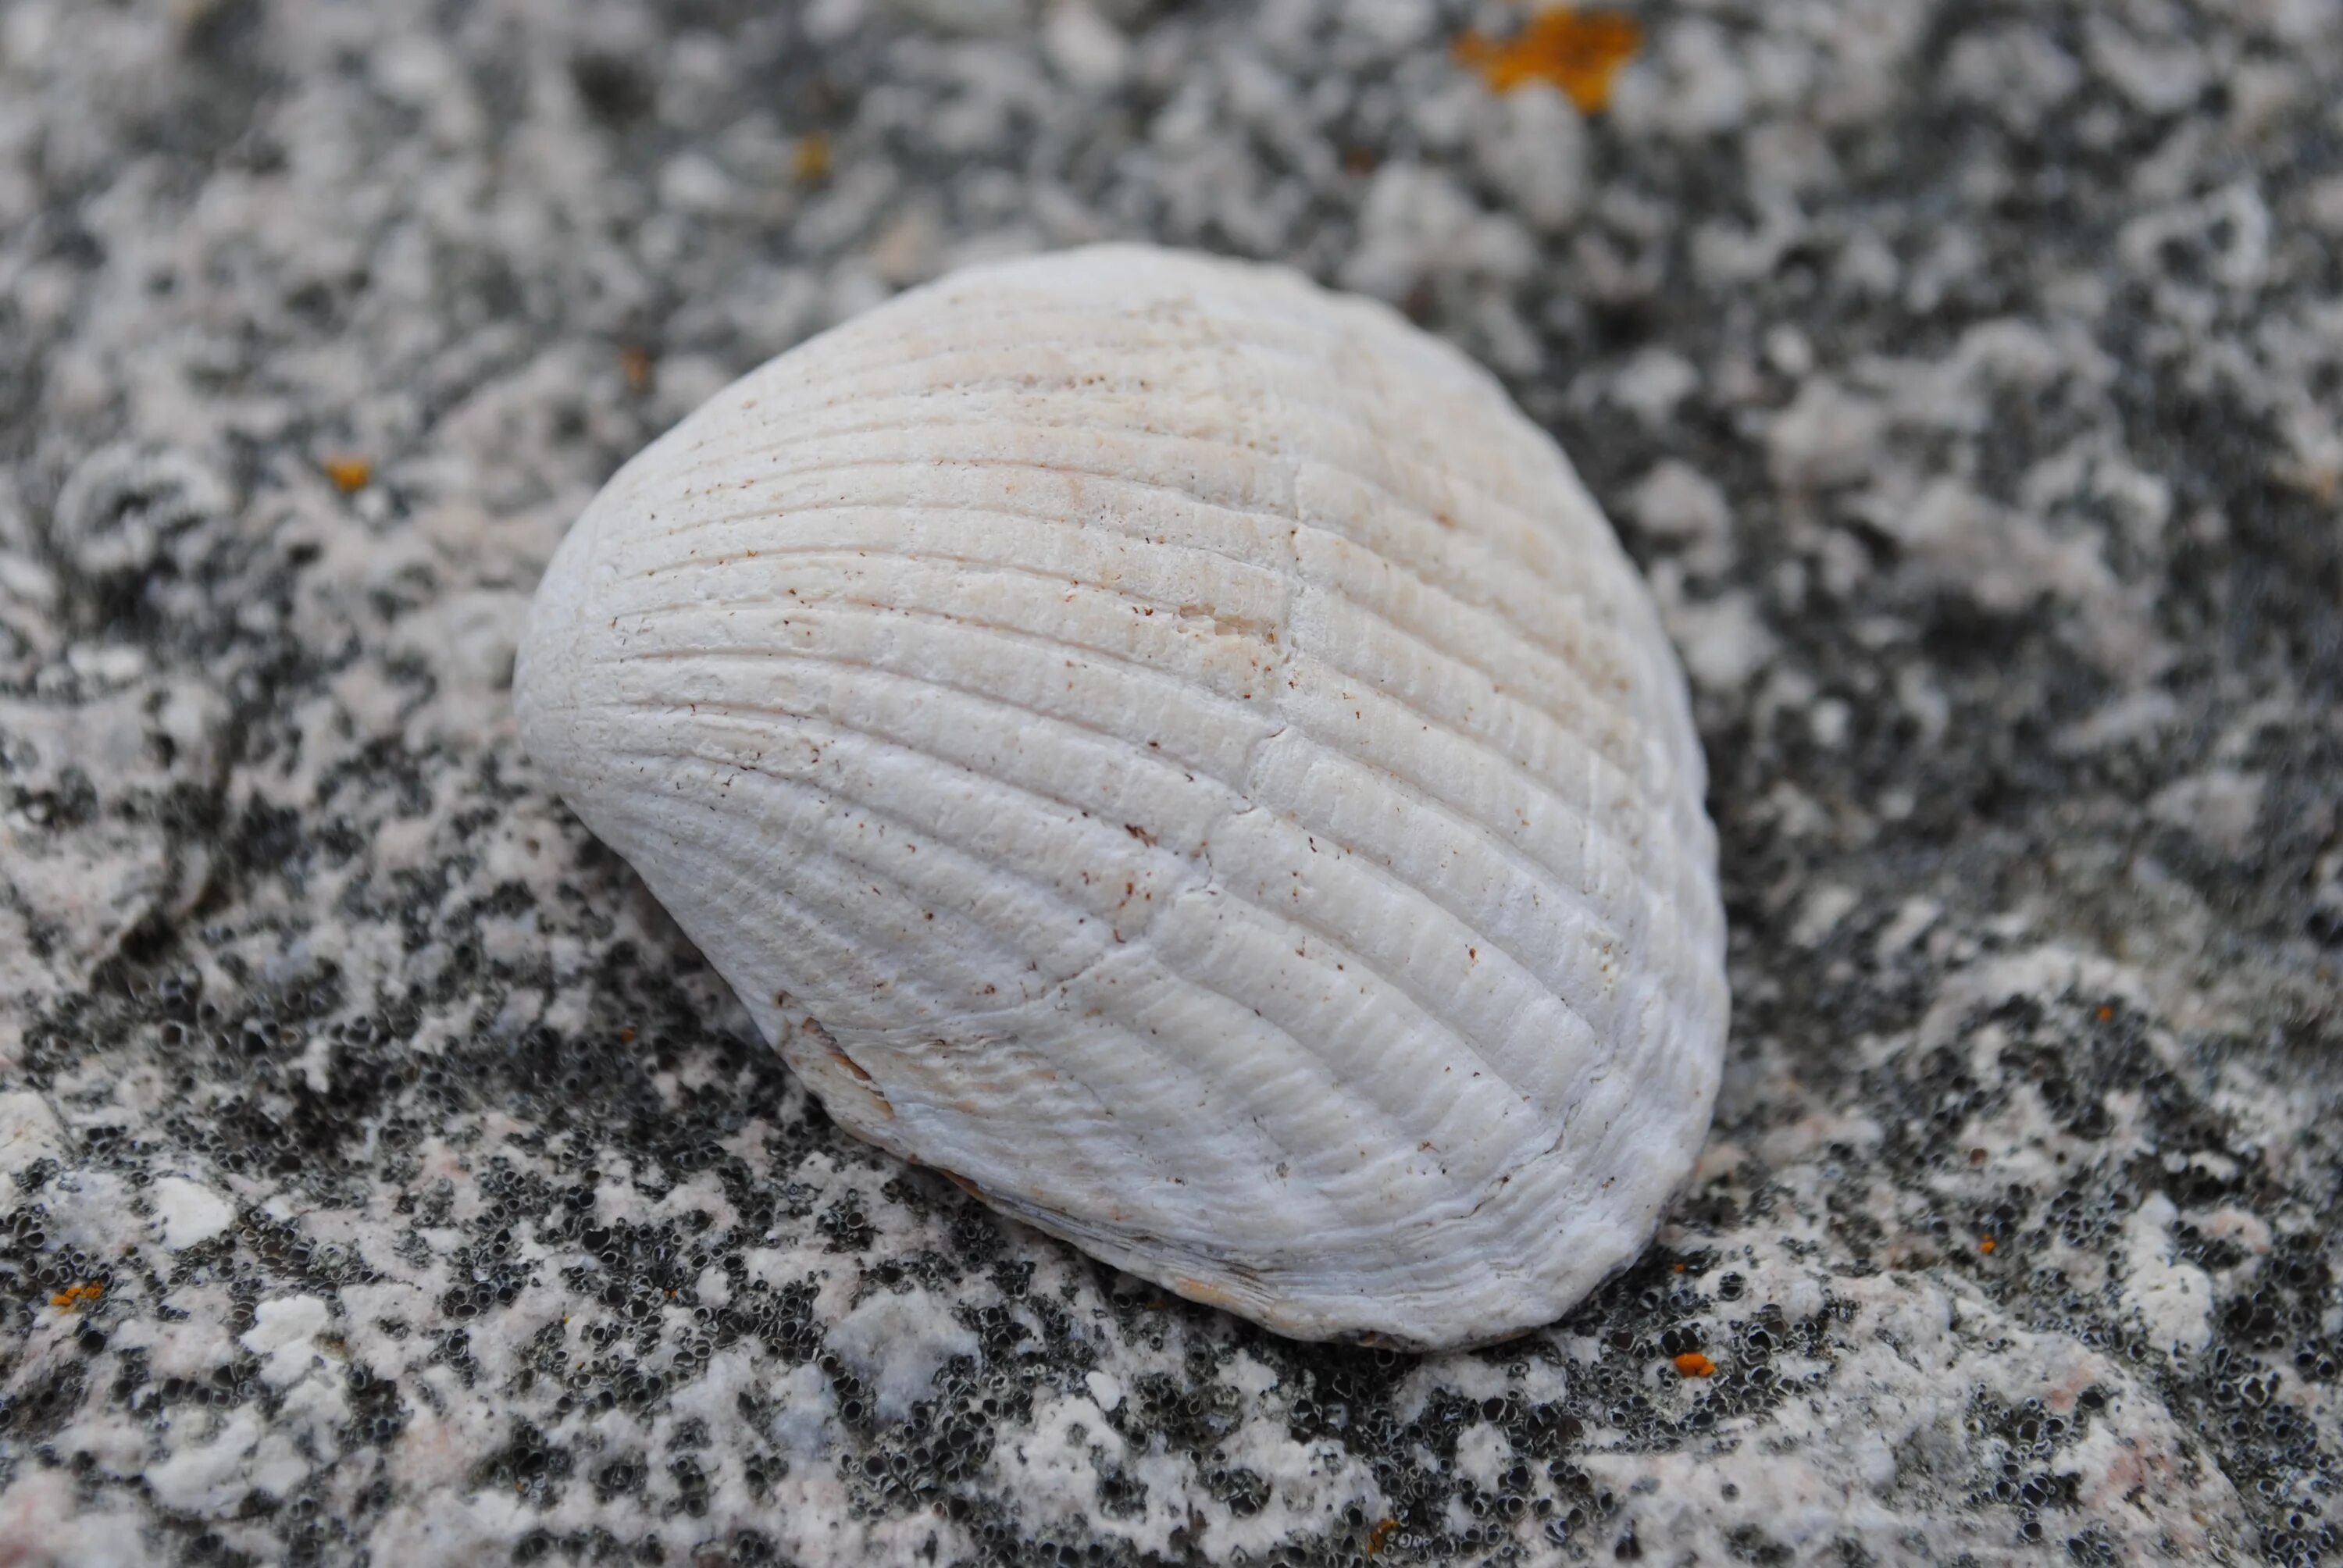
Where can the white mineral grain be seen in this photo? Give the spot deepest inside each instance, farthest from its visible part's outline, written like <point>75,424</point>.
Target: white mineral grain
<point>189,1213</point>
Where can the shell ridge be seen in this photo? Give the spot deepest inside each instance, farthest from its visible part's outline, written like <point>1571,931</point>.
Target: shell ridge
<point>1248,801</point>
<point>1336,591</point>
<point>958,405</point>
<point>1641,789</point>
<point>1610,581</point>
<point>1529,871</point>
<point>1537,734</point>
<point>1511,662</point>
<point>1409,631</point>
<point>1369,867</point>
<point>1249,798</point>
<point>1529,633</point>
<point>686,831</point>
<point>1006,514</point>
<point>1578,594</point>
<point>1064,464</point>
<point>1386,973</point>
<point>1194,671</point>
<point>1688,1057</point>
<point>1524,1028</point>
<point>809,656</point>
<point>928,831</point>
<point>711,866</point>
<point>1193,502</point>
<point>1432,570</point>
<point>1280,394</point>
<point>1328,938</point>
<point>1383,617</point>
<point>1264,328</point>
<point>714,866</point>
<point>1525,864</point>
<point>1634,787</point>
<point>1582,527</point>
<point>1140,1146</point>
<point>1318,1067</point>
<point>1057,576</point>
<point>1272,332</point>
<point>1100,366</point>
<point>1435,570</point>
<point>1125,665</point>
<point>1577,525</point>
<point>815,846</point>
<point>1189,1070</point>
<point>1401,1110</point>
<point>1331,1078</point>
<point>1582,813</point>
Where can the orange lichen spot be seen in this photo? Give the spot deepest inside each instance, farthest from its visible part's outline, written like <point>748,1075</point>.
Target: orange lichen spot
<point>1577,51</point>
<point>2105,1013</point>
<point>1677,1268</point>
<point>810,163</point>
<point>350,475</point>
<point>635,364</point>
<point>73,1298</point>
<point>625,1037</point>
<point>1380,1534</point>
<point>1691,1364</point>
<point>1987,1244</point>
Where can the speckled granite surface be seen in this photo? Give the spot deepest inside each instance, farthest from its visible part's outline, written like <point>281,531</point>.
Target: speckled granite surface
<point>382,1179</point>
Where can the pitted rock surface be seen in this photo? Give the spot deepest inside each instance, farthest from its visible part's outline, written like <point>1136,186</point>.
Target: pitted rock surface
<point>384,1180</point>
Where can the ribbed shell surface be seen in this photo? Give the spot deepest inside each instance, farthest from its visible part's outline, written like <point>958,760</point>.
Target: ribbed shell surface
<point>1177,750</point>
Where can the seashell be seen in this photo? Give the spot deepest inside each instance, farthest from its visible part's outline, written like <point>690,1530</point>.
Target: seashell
<point>1175,751</point>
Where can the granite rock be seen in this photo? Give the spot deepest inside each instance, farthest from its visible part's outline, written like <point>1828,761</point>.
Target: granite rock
<point>382,1177</point>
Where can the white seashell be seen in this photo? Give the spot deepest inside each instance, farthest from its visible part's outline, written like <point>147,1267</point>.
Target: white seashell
<point>1175,749</point>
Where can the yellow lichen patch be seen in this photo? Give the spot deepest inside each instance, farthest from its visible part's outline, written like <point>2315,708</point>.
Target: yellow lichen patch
<point>811,161</point>
<point>73,1298</point>
<point>349,475</point>
<point>1691,1364</point>
<point>1380,1534</point>
<point>1577,51</point>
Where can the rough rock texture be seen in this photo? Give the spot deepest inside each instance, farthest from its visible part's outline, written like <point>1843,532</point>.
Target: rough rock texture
<point>383,1179</point>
